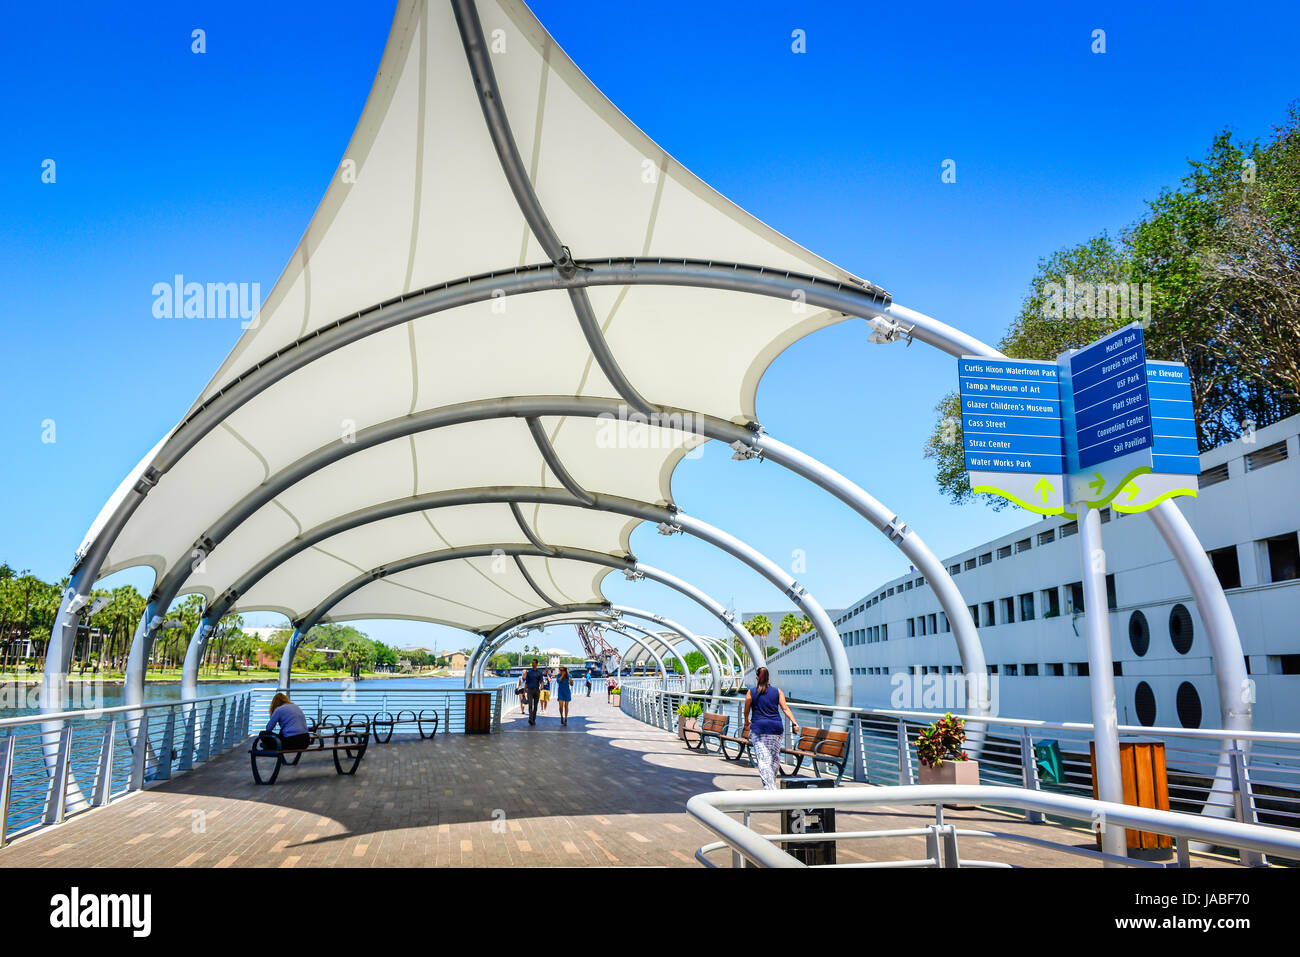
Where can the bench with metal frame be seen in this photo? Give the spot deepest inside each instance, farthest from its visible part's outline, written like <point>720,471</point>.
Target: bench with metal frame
<point>387,720</point>
<point>715,726</point>
<point>351,741</point>
<point>819,746</point>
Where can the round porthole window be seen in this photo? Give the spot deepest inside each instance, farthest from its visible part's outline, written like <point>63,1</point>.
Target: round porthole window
<point>1180,629</point>
<point>1144,700</point>
<point>1139,635</point>
<point>1189,705</point>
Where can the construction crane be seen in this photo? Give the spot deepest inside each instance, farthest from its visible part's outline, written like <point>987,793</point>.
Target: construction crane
<point>598,649</point>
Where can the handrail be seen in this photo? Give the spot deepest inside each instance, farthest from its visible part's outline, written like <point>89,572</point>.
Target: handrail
<point>1289,737</point>
<point>116,709</point>
<point>711,810</point>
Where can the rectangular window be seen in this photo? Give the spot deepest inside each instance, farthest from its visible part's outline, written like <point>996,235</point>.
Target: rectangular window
<point>1009,670</point>
<point>954,569</point>
<point>1284,664</point>
<point>1051,602</point>
<point>934,624</point>
<point>1031,670</point>
<point>1046,537</point>
<point>1283,557</point>
<point>1213,476</point>
<point>907,586</point>
<point>974,614</point>
<point>890,593</point>
<point>884,632</point>
<point>970,563</point>
<point>1118,668</point>
<point>1023,546</point>
<point>1268,455</point>
<point>1105,515</point>
<point>993,669</point>
<point>1027,606</point>
<point>943,622</point>
<point>1004,552</point>
<point>1079,669</point>
<point>1075,602</point>
<point>1055,670</point>
<point>986,558</point>
<point>1111,602</point>
<point>1006,611</point>
<point>988,613</point>
<point>1069,528</point>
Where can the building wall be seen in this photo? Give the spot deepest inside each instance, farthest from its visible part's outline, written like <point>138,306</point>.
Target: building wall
<point>1253,505</point>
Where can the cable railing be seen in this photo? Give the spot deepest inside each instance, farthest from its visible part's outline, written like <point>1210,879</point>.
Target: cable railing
<point>942,840</point>
<point>1251,777</point>
<point>56,765</point>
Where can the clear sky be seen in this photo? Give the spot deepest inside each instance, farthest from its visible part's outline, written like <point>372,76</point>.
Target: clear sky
<point>211,166</point>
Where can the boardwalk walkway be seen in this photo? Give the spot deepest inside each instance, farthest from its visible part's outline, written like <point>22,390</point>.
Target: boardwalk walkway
<point>607,790</point>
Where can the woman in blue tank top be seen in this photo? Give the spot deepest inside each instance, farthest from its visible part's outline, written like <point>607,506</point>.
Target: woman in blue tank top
<point>766,703</point>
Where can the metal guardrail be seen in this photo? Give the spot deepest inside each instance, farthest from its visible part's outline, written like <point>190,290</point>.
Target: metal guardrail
<point>55,765</point>
<point>349,702</point>
<point>1251,777</point>
<point>942,850</point>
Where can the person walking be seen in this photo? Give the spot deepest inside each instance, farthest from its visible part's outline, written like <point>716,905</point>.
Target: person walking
<point>533,682</point>
<point>588,682</point>
<point>521,689</point>
<point>563,694</point>
<point>766,703</point>
<point>546,689</point>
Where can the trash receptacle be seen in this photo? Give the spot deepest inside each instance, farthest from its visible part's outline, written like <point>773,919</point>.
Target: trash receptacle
<point>1047,755</point>
<point>478,712</point>
<point>1146,784</point>
<point>816,820</point>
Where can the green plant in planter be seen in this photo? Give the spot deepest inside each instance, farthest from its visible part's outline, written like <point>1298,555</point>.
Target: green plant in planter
<point>690,709</point>
<point>943,739</point>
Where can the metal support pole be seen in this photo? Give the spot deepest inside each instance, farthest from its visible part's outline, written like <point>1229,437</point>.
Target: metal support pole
<point>205,735</point>
<point>1029,772</point>
<point>904,757</point>
<point>6,782</point>
<point>1110,783</point>
<point>136,781</point>
<point>1244,803</point>
<point>56,803</point>
<point>104,775</point>
<point>169,737</point>
<point>859,758</point>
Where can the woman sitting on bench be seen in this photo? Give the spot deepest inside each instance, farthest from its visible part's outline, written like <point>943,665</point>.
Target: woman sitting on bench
<point>292,723</point>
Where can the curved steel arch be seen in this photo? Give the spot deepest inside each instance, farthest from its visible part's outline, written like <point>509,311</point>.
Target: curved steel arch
<point>617,611</point>
<point>574,276</point>
<point>609,623</point>
<point>754,443</point>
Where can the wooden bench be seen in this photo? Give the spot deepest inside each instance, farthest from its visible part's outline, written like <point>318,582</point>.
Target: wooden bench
<point>820,747</point>
<point>715,726</point>
<point>351,742</point>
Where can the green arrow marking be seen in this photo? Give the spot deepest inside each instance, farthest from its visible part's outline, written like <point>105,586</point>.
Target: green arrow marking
<point>1044,487</point>
<point>1099,484</point>
<point>1130,491</point>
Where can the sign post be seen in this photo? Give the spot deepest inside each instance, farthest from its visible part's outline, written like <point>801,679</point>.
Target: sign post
<point>1099,426</point>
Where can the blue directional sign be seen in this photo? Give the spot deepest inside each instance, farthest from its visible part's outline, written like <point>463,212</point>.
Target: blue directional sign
<point>1011,415</point>
<point>1106,408</point>
<point>1169,388</point>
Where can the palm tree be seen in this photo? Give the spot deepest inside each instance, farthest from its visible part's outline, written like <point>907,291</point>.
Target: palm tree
<point>791,628</point>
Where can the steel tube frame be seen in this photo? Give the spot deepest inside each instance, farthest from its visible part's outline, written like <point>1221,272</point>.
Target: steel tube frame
<point>489,647</point>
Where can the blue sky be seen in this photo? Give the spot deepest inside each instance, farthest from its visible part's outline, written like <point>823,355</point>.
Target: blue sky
<point>212,166</point>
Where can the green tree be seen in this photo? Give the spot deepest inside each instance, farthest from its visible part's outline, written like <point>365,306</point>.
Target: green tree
<point>358,653</point>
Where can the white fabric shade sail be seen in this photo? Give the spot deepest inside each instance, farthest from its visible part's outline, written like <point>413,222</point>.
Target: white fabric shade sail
<point>423,203</point>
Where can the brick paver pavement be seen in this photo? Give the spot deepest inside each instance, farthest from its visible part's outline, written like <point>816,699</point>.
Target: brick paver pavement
<point>607,790</point>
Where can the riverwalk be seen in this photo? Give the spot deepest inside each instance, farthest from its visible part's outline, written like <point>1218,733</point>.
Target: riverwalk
<point>607,790</point>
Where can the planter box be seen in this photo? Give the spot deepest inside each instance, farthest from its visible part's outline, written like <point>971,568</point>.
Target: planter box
<point>950,772</point>
<point>686,724</point>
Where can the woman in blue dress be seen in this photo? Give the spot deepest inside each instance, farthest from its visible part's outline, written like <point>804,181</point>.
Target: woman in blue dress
<point>564,694</point>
